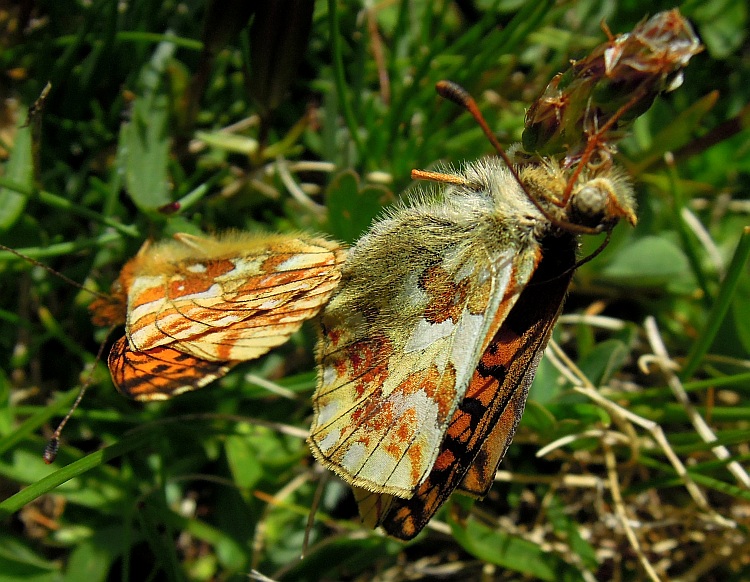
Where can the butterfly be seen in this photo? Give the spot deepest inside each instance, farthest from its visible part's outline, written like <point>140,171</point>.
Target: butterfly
<point>194,307</point>
<point>431,341</point>
<point>444,309</point>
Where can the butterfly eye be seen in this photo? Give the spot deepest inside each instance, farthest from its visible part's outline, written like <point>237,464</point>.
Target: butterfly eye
<point>601,202</point>
<point>588,205</point>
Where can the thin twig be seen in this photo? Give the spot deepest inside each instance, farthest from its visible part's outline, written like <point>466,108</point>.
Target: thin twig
<point>614,486</point>
<point>260,530</point>
<point>323,478</point>
<point>567,439</point>
<point>564,480</point>
<point>700,232</point>
<point>271,387</point>
<point>259,576</point>
<point>600,321</point>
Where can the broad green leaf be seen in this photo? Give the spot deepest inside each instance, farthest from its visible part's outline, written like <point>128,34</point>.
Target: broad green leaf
<point>144,140</point>
<point>603,361</point>
<point>676,134</point>
<point>546,386</point>
<point>242,458</point>
<point>723,25</point>
<point>512,552</point>
<point>649,262</point>
<point>537,418</point>
<point>92,559</point>
<point>19,169</point>
<point>19,562</point>
<point>351,209</point>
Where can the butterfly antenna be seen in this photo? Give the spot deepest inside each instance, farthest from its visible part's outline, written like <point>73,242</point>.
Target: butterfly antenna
<point>461,97</point>
<point>50,451</point>
<point>57,274</point>
<point>584,260</point>
<point>596,253</point>
<point>441,177</point>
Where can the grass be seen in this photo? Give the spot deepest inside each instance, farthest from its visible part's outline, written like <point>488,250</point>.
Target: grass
<point>156,102</point>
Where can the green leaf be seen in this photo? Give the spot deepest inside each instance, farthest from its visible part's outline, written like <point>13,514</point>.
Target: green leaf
<point>144,140</point>
<point>649,262</point>
<point>723,25</point>
<point>545,386</point>
<point>537,418</point>
<point>339,556</point>
<point>92,559</point>
<point>600,364</point>
<point>565,526</point>
<point>512,552</point>
<point>19,562</point>
<point>679,132</point>
<point>242,458</point>
<point>19,169</point>
<point>351,210</point>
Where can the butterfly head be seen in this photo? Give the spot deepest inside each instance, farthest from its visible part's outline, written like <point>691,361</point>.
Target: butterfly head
<point>585,202</point>
<point>601,202</point>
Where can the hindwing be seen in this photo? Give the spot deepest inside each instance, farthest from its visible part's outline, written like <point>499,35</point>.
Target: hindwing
<point>160,373</point>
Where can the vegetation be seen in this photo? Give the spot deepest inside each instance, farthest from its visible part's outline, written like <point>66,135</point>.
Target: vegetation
<point>167,117</point>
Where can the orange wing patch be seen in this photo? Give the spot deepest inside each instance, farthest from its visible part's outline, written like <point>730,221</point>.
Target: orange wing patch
<point>160,373</point>
<point>194,307</point>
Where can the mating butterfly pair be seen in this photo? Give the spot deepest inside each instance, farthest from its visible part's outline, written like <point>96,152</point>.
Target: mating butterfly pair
<point>429,342</point>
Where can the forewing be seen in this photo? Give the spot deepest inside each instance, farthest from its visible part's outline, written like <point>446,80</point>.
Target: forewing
<point>485,422</point>
<point>161,372</point>
<point>233,308</point>
<point>400,341</point>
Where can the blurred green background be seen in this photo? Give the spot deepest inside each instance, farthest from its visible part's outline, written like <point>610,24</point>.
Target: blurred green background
<point>293,115</point>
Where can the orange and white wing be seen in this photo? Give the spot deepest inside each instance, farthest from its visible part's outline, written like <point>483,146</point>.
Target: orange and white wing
<point>236,301</point>
<point>484,424</point>
<point>160,373</point>
<point>419,301</point>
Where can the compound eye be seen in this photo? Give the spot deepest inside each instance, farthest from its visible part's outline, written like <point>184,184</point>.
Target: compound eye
<point>588,206</point>
<point>592,201</point>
